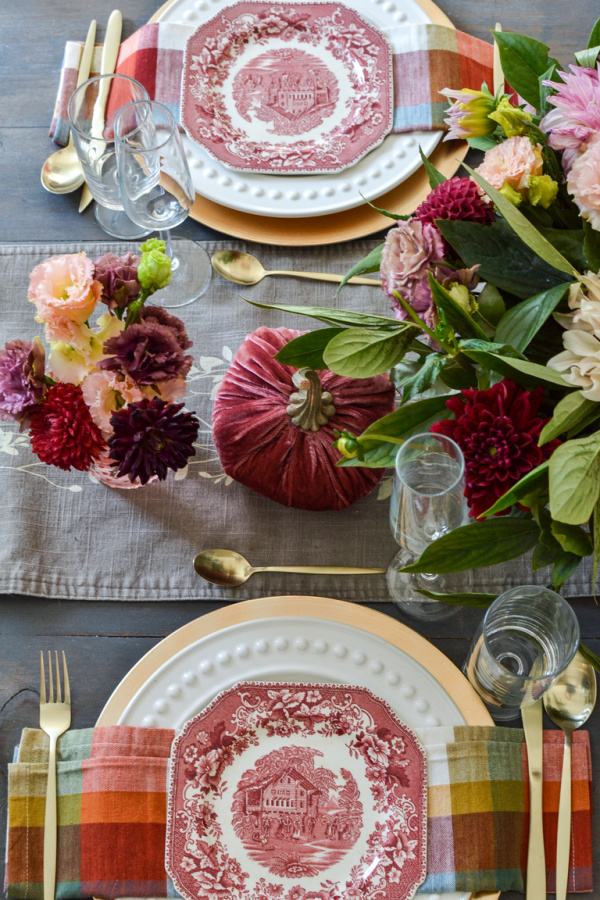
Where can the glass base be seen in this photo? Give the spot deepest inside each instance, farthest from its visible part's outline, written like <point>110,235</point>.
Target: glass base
<point>404,589</point>
<point>116,223</point>
<point>498,713</point>
<point>190,279</point>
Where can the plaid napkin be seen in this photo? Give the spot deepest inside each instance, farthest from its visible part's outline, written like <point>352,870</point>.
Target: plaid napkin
<point>427,58</point>
<point>112,811</point>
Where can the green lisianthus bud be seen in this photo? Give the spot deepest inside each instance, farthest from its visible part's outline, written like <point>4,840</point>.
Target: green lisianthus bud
<point>461,295</point>
<point>348,445</point>
<point>512,119</point>
<point>509,192</point>
<point>154,270</point>
<point>542,190</point>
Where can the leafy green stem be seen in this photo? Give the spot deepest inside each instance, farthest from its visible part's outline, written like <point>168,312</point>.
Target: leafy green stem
<point>419,321</point>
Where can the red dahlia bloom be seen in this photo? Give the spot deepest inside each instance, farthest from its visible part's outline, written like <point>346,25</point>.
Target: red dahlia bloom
<point>457,198</point>
<point>63,432</point>
<point>497,431</point>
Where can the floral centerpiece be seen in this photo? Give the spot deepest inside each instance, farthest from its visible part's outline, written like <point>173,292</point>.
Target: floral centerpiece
<point>104,401</point>
<point>494,335</point>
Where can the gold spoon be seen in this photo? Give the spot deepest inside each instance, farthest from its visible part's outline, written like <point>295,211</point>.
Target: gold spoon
<point>229,569</point>
<point>569,702</point>
<point>62,172</point>
<point>243,268</point>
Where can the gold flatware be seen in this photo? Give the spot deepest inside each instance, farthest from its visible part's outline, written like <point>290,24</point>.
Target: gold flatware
<point>536,858</point>
<point>569,702</point>
<point>243,268</point>
<point>62,172</point>
<point>55,719</point>
<point>230,569</point>
<point>110,53</point>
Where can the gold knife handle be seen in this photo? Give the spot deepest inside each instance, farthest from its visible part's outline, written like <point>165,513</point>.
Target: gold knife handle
<point>327,276</point>
<point>85,63</point>
<point>110,52</point>
<point>536,857</point>
<point>563,841</point>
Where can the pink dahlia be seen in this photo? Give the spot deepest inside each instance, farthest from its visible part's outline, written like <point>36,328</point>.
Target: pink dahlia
<point>22,383</point>
<point>584,182</point>
<point>62,431</point>
<point>497,431</point>
<point>576,113</point>
<point>457,198</point>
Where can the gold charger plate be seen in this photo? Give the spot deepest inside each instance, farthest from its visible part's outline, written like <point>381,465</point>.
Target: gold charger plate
<point>335,227</point>
<point>370,620</point>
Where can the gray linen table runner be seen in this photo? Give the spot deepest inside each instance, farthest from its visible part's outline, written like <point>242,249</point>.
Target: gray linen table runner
<point>65,536</point>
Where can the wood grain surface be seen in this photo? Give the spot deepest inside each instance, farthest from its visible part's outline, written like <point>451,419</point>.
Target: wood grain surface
<point>104,640</point>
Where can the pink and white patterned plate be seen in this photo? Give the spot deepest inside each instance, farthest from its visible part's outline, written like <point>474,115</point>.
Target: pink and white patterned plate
<point>294,88</point>
<point>297,792</point>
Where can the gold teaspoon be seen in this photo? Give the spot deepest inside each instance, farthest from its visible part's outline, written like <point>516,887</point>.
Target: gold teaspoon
<point>62,172</point>
<point>243,268</point>
<point>230,569</point>
<point>569,702</point>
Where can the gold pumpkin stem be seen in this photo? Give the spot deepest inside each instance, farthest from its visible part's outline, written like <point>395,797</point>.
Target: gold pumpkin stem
<point>310,406</point>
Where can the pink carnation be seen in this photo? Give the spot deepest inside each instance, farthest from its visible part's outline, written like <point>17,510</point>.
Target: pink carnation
<point>513,162</point>
<point>63,287</point>
<point>584,182</point>
<point>576,114</point>
<point>410,251</point>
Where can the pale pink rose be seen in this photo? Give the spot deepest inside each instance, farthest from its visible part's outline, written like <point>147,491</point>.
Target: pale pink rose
<point>64,287</point>
<point>513,162</point>
<point>584,182</point>
<point>104,392</point>
<point>409,252</point>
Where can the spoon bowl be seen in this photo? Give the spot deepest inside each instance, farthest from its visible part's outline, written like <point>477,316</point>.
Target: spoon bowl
<point>230,569</point>
<point>243,268</point>
<point>62,172</point>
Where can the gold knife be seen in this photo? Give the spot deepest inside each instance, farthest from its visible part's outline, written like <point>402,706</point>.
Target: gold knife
<point>110,52</point>
<point>536,857</point>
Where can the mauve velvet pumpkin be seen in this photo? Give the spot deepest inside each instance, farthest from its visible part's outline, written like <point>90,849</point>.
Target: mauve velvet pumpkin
<point>260,447</point>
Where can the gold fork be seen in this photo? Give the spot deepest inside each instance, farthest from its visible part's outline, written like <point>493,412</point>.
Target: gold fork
<point>55,718</point>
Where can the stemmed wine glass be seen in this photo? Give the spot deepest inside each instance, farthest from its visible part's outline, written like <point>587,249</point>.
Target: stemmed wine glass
<point>95,147</point>
<point>157,192</point>
<point>427,502</point>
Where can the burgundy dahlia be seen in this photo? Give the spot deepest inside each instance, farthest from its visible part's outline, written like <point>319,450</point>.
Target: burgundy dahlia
<point>497,431</point>
<point>457,198</point>
<point>147,352</point>
<point>150,437</point>
<point>62,431</point>
<point>22,385</point>
<point>118,277</point>
<point>160,316</point>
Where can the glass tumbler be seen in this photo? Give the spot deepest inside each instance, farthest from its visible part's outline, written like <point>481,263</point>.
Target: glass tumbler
<point>95,145</point>
<point>528,637</point>
<point>427,502</point>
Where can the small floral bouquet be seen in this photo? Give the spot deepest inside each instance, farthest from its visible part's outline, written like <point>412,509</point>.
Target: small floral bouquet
<point>494,337</point>
<point>105,402</point>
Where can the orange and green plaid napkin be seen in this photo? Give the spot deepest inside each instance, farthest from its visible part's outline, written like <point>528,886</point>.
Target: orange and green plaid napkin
<point>112,811</point>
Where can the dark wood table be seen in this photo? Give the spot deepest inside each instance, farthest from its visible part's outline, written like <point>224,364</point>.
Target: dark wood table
<point>104,640</point>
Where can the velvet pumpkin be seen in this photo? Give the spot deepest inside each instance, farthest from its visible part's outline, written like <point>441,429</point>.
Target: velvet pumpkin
<point>259,445</point>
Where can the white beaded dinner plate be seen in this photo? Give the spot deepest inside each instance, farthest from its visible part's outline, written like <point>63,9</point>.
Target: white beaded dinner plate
<point>295,639</point>
<point>293,196</point>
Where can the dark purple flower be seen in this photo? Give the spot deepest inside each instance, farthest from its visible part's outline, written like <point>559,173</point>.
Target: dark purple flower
<point>148,353</point>
<point>160,316</point>
<point>150,437</point>
<point>22,383</point>
<point>118,277</point>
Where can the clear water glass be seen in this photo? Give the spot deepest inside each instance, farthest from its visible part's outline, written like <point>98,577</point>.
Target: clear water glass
<point>157,191</point>
<point>427,502</point>
<point>95,145</point>
<point>528,637</point>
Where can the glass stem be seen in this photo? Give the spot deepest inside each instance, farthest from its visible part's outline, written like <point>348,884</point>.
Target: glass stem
<point>166,237</point>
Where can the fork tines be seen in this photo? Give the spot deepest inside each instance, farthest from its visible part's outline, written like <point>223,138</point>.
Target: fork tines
<point>51,697</point>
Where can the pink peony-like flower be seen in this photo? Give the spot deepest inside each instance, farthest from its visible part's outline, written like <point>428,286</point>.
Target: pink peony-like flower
<point>411,249</point>
<point>456,199</point>
<point>104,392</point>
<point>513,163</point>
<point>584,182</point>
<point>576,114</point>
<point>63,287</point>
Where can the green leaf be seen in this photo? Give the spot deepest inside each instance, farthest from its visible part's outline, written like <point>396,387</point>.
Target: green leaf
<point>572,538</point>
<point>525,373</point>
<point>433,175</point>
<point>457,378</point>
<point>523,60</point>
<point>456,316</point>
<point>569,412</point>
<point>523,227</point>
<point>591,246</point>
<point>575,480</point>
<point>594,38</point>
<point>466,599</point>
<point>307,350</point>
<point>331,316</point>
<point>369,263</point>
<point>545,91</point>
<point>563,568</point>
<point>520,324</point>
<point>482,143</point>
<point>491,246</point>
<point>528,483</point>
<point>569,242</point>
<point>424,378</point>
<point>364,352</point>
<point>544,556</point>
<point>478,544</point>
<point>490,347</point>
<point>590,656</point>
<point>587,58</point>
<point>596,551</point>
